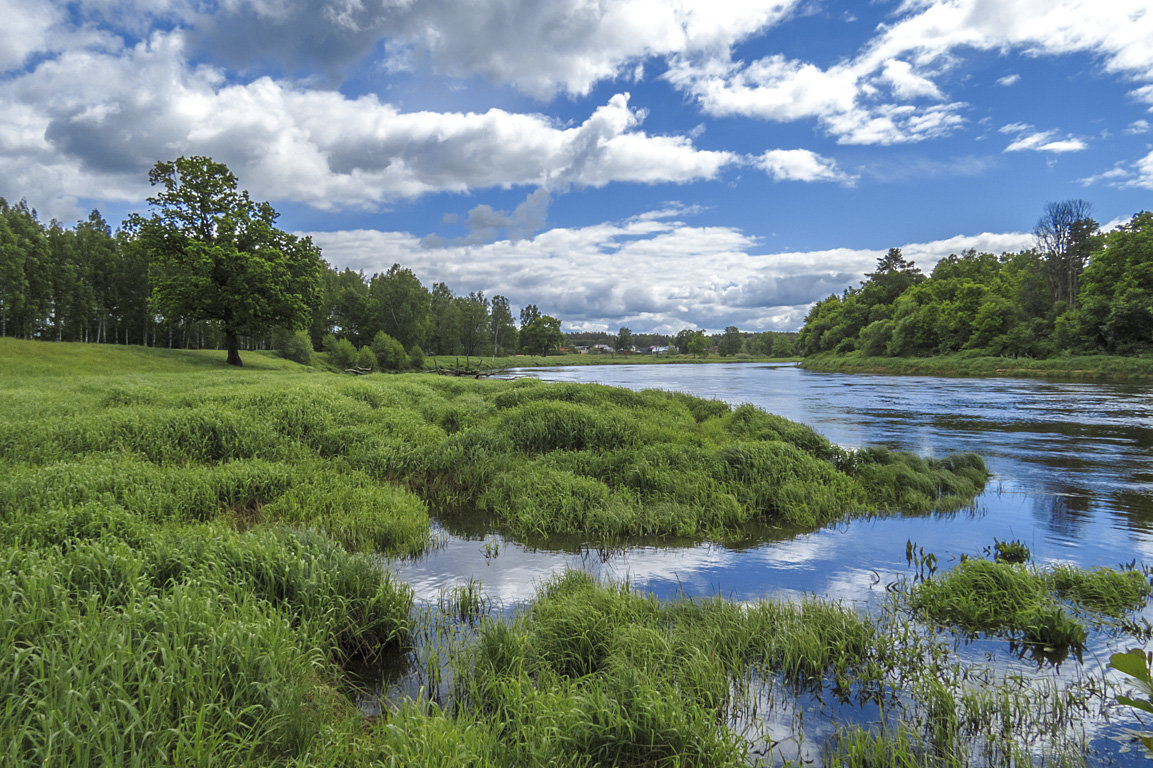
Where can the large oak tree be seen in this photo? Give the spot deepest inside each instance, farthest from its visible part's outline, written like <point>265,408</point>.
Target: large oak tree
<point>216,254</point>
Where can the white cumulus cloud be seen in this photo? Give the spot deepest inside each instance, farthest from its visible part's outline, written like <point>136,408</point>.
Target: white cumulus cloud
<point>1029,139</point>
<point>25,30</point>
<point>649,272</point>
<point>541,48</point>
<point>92,122</point>
<point>801,165</point>
<point>873,97</point>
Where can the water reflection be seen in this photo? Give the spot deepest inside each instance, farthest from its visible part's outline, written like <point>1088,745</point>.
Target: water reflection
<point>1071,464</point>
<point>1078,453</point>
<point>1071,480</point>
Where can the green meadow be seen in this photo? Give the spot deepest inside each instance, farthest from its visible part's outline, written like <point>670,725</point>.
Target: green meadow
<point>192,562</point>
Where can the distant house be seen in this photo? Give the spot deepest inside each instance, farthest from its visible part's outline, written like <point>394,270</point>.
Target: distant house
<point>601,349</point>
<point>581,349</point>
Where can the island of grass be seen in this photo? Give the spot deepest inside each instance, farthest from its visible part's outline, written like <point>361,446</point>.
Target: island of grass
<point>190,551</point>
<point>365,459</point>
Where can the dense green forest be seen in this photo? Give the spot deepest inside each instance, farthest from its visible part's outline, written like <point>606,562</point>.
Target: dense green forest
<point>1079,291</point>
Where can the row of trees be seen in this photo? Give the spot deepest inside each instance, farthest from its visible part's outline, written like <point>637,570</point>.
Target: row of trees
<point>209,268</point>
<point>80,284</point>
<point>436,320</point>
<point>1079,290</point>
<point>688,341</point>
<point>767,344</point>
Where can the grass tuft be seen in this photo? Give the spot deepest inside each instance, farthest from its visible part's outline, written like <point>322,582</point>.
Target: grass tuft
<point>1005,597</point>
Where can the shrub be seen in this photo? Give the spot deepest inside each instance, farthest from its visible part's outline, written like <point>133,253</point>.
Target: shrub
<point>341,352</point>
<point>296,346</point>
<point>365,359</point>
<point>390,354</point>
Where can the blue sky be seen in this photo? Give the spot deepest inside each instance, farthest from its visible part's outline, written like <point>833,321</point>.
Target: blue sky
<point>660,165</point>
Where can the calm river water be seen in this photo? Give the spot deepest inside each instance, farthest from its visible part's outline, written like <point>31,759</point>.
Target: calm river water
<point>1072,468</point>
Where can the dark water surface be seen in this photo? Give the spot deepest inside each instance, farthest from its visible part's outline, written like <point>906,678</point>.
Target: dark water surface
<point>1072,468</point>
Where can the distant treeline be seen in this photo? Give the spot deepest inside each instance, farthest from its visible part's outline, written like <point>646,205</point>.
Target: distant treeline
<point>89,284</point>
<point>1078,291</point>
<point>691,342</point>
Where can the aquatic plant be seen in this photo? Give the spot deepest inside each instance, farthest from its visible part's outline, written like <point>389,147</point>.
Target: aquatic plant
<point>1010,551</point>
<point>1100,589</point>
<point>858,747</point>
<point>984,596</point>
<point>1137,665</point>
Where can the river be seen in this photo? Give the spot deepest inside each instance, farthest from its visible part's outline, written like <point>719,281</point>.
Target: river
<point>1072,467</point>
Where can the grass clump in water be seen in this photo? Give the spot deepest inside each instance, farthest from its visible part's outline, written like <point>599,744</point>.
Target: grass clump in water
<point>1004,597</point>
<point>596,673</point>
<point>1101,589</point>
<point>983,596</point>
<point>857,747</point>
<point>1010,551</point>
<point>903,481</point>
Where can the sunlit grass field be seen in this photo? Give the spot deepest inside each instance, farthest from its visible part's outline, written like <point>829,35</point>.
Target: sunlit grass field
<point>192,556</point>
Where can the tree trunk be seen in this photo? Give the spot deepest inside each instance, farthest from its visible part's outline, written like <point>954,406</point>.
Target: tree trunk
<point>232,344</point>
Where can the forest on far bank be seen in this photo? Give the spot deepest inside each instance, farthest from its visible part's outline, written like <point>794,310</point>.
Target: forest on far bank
<point>1080,291</point>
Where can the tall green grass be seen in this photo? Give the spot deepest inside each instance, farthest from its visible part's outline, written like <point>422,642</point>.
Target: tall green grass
<point>597,673</point>
<point>181,646</point>
<point>347,454</point>
<point>1004,597</point>
<point>188,559</point>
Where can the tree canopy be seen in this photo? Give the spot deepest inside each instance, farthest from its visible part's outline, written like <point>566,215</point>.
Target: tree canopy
<point>541,336</point>
<point>216,254</point>
<point>1078,291</point>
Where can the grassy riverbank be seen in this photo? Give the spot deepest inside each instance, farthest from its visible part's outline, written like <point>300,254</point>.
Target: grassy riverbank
<point>190,563</point>
<point>363,458</point>
<point>1084,367</point>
